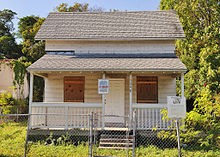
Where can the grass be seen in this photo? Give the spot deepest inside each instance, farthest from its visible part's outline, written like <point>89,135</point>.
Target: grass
<point>12,140</point>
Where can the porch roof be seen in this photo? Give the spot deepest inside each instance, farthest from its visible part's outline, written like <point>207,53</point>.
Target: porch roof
<point>73,63</point>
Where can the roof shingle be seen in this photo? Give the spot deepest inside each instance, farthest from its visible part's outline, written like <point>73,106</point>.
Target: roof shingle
<point>71,63</point>
<point>111,25</point>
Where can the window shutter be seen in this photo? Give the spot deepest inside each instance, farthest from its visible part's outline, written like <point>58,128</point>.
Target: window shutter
<point>147,89</point>
<point>74,88</point>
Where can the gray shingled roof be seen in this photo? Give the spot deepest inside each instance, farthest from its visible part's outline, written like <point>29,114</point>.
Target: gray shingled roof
<point>72,63</point>
<point>111,25</point>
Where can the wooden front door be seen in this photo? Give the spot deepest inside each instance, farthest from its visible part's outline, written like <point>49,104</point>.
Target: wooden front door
<point>115,101</point>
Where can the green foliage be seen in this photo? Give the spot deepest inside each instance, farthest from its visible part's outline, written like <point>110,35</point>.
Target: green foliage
<point>77,7</point>
<point>19,68</point>
<point>7,103</point>
<point>12,137</point>
<point>200,52</point>
<point>6,24</point>
<point>8,46</point>
<point>32,49</point>
<point>28,27</point>
<point>201,48</point>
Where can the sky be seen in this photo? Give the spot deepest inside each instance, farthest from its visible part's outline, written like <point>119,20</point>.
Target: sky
<point>43,7</point>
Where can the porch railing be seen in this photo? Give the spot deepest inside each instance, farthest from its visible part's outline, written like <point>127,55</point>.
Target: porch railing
<point>76,115</point>
<point>149,116</point>
<point>64,115</point>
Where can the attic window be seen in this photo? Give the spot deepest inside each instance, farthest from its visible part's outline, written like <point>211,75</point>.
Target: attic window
<point>69,53</point>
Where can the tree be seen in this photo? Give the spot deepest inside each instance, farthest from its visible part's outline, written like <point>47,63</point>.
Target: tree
<point>6,24</point>
<point>28,27</point>
<point>200,20</point>
<point>77,7</point>
<point>8,45</point>
<point>200,52</point>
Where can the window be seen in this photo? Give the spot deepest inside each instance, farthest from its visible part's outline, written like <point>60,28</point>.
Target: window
<point>74,88</point>
<point>147,89</point>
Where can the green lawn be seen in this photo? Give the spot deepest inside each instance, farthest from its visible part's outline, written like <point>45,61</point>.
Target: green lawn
<point>12,139</point>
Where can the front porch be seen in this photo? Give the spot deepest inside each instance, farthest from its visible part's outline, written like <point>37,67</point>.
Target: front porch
<point>55,113</point>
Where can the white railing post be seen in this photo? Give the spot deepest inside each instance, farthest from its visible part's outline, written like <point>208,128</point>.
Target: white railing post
<point>66,115</point>
<point>134,132</point>
<point>130,97</point>
<point>182,85</point>
<point>103,105</point>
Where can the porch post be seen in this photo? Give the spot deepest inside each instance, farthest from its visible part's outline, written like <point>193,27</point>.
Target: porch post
<point>182,84</point>
<point>130,96</point>
<point>31,91</point>
<point>30,98</point>
<point>103,105</point>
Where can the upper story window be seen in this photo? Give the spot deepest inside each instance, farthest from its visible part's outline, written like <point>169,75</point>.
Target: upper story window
<point>69,53</point>
<point>74,88</point>
<point>147,89</point>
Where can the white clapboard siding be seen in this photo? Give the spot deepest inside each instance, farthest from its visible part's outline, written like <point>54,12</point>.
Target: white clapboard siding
<point>110,46</point>
<point>54,87</point>
<point>166,87</point>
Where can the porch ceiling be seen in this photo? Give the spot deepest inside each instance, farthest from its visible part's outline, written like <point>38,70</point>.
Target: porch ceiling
<point>71,63</point>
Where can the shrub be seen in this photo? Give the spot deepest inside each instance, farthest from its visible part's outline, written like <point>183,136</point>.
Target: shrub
<point>7,103</point>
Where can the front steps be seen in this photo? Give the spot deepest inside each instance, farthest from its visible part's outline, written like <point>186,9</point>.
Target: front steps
<point>116,140</point>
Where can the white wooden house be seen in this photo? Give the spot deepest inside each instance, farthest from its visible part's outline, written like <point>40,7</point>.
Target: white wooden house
<point>135,51</point>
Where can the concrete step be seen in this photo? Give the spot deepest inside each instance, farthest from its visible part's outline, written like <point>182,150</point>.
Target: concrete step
<point>115,147</point>
<point>116,140</point>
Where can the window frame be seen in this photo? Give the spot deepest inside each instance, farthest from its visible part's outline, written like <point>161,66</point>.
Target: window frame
<point>83,89</point>
<point>138,82</point>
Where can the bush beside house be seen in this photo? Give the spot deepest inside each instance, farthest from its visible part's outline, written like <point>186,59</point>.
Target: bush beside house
<point>13,87</point>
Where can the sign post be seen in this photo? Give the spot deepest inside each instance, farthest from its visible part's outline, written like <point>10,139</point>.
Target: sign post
<point>177,110</point>
<point>103,88</point>
<point>178,137</point>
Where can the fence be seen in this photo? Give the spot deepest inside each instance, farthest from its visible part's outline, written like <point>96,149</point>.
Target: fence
<point>19,135</point>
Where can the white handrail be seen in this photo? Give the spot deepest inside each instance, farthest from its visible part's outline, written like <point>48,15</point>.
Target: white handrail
<point>65,104</point>
<point>143,105</point>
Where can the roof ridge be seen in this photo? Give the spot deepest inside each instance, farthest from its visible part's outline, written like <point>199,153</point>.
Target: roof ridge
<point>109,12</point>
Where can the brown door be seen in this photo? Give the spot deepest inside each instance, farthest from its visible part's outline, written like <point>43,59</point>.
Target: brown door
<point>74,88</point>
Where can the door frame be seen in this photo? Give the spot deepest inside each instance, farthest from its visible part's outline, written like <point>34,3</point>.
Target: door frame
<point>117,79</point>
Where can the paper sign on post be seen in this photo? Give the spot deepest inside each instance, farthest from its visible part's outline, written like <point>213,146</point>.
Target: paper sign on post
<point>103,86</point>
<point>176,107</point>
